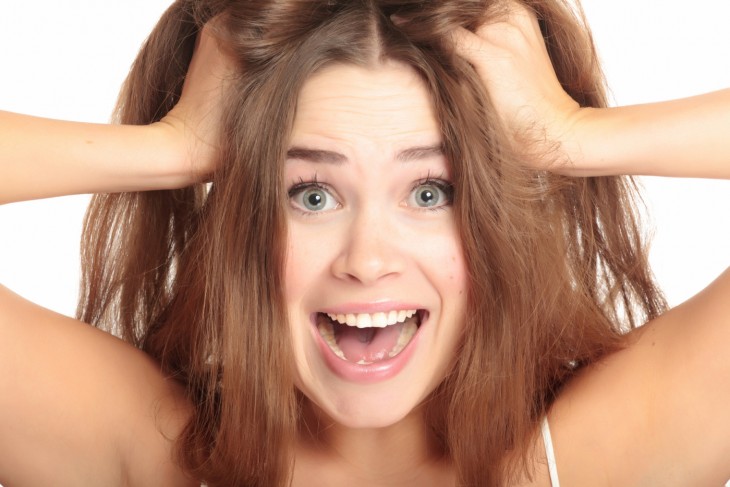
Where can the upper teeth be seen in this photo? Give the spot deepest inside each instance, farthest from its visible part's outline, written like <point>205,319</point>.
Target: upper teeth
<point>378,320</point>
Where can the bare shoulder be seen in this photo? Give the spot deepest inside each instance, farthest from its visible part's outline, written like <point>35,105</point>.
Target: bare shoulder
<point>79,406</point>
<point>654,414</point>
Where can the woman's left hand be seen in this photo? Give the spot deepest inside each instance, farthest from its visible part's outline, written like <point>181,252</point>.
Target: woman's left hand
<point>510,56</point>
<point>679,138</point>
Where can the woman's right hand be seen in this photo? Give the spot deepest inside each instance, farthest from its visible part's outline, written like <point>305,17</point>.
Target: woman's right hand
<point>193,124</point>
<point>43,158</point>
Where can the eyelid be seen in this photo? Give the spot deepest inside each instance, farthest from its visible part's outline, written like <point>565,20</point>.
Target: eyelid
<point>445,186</point>
<point>302,186</point>
<point>436,181</point>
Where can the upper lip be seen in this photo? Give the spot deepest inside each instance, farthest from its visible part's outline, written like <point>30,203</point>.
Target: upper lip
<point>370,307</point>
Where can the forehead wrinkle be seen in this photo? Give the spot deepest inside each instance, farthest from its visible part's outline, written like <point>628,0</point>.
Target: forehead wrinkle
<point>383,112</point>
<point>369,113</point>
<point>342,93</point>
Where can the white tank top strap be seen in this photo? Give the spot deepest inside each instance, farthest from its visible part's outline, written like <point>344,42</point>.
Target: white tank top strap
<point>550,453</point>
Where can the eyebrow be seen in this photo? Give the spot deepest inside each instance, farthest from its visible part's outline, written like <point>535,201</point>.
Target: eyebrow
<point>336,158</point>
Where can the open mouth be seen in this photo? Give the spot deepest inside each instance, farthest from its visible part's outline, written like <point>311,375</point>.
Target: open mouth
<point>366,338</point>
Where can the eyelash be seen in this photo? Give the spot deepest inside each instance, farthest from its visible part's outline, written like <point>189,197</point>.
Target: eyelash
<point>303,185</point>
<point>442,184</point>
<point>445,186</point>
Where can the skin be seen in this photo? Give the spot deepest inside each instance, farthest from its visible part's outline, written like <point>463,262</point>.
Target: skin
<point>79,407</point>
<point>380,246</point>
<point>652,415</point>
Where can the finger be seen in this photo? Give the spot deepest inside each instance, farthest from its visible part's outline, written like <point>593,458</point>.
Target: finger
<point>513,28</point>
<point>511,13</point>
<point>467,44</point>
<point>511,35</point>
<point>488,58</point>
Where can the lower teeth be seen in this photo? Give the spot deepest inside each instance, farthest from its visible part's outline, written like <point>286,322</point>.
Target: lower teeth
<point>409,329</point>
<point>327,331</point>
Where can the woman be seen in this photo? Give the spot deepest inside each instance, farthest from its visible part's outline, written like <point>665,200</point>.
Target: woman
<point>421,181</point>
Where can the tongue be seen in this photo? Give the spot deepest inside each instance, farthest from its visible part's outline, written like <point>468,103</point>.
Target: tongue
<point>367,344</point>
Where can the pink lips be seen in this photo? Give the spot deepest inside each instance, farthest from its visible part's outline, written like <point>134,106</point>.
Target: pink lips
<point>375,372</point>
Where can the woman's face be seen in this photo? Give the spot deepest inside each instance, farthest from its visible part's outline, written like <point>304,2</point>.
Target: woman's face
<point>375,277</point>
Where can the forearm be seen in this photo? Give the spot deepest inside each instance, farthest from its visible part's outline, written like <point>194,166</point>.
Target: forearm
<point>689,137</point>
<point>42,158</point>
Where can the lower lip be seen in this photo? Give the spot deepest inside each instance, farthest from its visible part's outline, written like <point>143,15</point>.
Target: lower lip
<point>367,374</point>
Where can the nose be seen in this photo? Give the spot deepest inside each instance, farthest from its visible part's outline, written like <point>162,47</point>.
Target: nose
<point>370,251</point>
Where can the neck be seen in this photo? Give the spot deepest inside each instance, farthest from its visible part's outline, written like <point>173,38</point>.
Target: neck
<point>405,453</point>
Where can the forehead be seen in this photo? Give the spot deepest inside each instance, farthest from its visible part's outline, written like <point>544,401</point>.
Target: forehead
<point>387,103</point>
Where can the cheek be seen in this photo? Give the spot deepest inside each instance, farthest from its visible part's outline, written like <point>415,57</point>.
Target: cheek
<point>457,275</point>
<point>445,258</point>
<point>305,259</point>
<point>300,267</point>
<point>450,275</point>
<point>457,282</point>
<point>295,271</point>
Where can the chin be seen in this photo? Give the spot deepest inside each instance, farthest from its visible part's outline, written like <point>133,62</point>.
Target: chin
<point>363,413</point>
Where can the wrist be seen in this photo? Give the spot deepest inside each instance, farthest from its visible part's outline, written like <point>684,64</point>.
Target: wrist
<point>591,143</point>
<point>170,164</point>
<point>188,145</point>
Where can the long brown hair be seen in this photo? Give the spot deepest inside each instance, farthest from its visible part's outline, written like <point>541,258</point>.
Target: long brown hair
<point>557,267</point>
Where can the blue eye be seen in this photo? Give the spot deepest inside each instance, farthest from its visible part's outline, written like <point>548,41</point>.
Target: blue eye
<point>431,194</point>
<point>312,198</point>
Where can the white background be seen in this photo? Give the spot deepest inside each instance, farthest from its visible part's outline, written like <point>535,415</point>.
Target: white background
<point>67,60</point>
